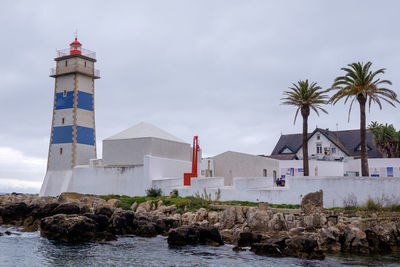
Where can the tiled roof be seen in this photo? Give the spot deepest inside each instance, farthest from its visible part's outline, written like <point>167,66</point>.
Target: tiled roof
<point>348,141</point>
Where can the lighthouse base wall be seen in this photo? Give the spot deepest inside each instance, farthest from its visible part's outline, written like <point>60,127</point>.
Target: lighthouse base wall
<point>131,180</point>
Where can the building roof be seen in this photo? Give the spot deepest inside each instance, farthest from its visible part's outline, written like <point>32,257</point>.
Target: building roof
<point>145,130</point>
<point>348,141</point>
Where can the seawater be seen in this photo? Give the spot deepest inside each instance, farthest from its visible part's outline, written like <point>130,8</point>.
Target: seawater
<point>29,249</point>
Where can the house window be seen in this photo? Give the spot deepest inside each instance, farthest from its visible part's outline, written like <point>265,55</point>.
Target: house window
<point>61,150</point>
<point>62,120</point>
<point>319,148</point>
<point>333,149</point>
<point>318,137</point>
<point>286,151</point>
<point>64,93</point>
<point>265,172</point>
<point>66,63</point>
<point>274,174</point>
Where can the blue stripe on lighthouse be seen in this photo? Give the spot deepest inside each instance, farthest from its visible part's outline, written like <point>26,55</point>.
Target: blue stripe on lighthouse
<point>84,135</point>
<point>85,101</point>
<point>63,102</point>
<point>62,135</point>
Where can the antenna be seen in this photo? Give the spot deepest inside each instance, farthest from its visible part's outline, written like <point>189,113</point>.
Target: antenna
<point>76,33</point>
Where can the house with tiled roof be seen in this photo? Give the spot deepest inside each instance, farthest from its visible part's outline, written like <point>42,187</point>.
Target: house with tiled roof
<point>324,144</point>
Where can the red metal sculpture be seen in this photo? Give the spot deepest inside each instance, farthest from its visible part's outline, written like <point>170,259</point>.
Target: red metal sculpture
<point>196,148</point>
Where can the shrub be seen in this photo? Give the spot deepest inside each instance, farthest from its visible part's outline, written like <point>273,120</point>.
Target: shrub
<point>174,193</point>
<point>154,192</point>
<point>372,205</point>
<point>350,201</point>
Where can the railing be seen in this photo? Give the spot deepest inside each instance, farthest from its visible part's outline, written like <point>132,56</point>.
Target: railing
<point>75,68</point>
<point>84,52</point>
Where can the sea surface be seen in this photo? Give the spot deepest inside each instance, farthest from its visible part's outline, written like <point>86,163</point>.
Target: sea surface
<point>29,249</point>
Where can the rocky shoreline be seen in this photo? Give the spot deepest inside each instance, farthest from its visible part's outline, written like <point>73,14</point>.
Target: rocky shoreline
<point>307,232</point>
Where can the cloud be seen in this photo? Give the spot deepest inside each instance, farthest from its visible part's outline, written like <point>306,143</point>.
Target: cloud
<point>19,186</point>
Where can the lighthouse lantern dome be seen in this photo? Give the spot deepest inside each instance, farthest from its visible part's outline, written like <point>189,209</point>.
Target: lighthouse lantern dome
<point>75,47</point>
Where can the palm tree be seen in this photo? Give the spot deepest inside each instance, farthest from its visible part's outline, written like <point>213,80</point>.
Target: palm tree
<point>305,96</point>
<point>359,83</point>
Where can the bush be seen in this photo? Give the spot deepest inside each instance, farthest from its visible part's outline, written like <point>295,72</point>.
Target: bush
<point>350,202</point>
<point>373,205</point>
<point>174,193</point>
<point>154,192</point>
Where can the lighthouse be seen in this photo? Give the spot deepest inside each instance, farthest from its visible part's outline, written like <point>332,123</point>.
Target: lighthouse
<point>73,135</point>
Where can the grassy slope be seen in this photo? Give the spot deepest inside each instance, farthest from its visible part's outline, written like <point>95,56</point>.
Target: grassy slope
<point>186,203</point>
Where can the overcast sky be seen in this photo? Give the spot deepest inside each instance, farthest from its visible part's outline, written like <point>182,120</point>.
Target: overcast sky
<point>216,69</point>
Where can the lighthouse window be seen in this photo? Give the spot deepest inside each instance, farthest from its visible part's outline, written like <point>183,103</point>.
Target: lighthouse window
<point>62,120</point>
<point>265,172</point>
<point>64,93</point>
<point>60,150</point>
<point>85,64</point>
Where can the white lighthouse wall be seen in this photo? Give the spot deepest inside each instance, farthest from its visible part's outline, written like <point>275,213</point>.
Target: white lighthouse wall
<point>65,82</point>
<point>61,161</point>
<point>63,113</point>
<point>84,118</point>
<point>129,180</point>
<point>84,153</point>
<point>85,83</point>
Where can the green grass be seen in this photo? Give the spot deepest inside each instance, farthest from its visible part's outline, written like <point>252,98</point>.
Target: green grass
<point>184,204</point>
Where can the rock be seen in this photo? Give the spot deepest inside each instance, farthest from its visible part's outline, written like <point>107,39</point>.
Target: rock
<point>257,220</point>
<point>228,236</point>
<point>277,223</point>
<point>188,218</point>
<point>67,208</point>
<point>313,221</point>
<point>212,217</point>
<point>72,228</point>
<point>30,224</point>
<point>263,206</point>
<point>14,213</point>
<point>67,197</point>
<point>228,217</point>
<point>1,233</point>
<point>305,247</point>
<point>355,240</point>
<point>134,206</point>
<point>101,220</point>
<point>1,220</point>
<point>201,215</point>
<point>164,224</point>
<point>330,239</point>
<point>300,247</point>
<point>41,211</point>
<point>146,229</point>
<point>122,222</point>
<point>383,236</point>
<point>237,249</point>
<point>104,210</point>
<point>145,207</point>
<point>312,202</point>
<point>160,203</point>
<point>297,231</point>
<point>193,235</point>
<point>167,210</point>
<point>114,202</point>
<point>246,239</point>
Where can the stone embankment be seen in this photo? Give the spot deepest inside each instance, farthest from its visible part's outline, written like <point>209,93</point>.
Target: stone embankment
<point>307,232</point>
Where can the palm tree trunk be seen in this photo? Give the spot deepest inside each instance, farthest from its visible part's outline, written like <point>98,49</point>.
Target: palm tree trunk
<point>363,134</point>
<point>305,141</point>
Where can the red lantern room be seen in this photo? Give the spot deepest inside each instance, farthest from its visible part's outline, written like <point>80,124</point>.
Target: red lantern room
<point>75,47</point>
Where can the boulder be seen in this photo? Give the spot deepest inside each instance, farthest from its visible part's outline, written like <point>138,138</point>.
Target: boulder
<point>330,238</point>
<point>1,220</point>
<point>122,222</point>
<point>194,234</point>
<point>258,220</point>
<point>134,206</point>
<point>145,207</point>
<point>188,218</point>
<point>67,197</point>
<point>212,217</point>
<point>30,224</point>
<point>284,246</point>
<point>101,220</point>
<point>104,210</point>
<point>114,202</point>
<point>14,212</point>
<point>41,211</point>
<point>228,217</point>
<point>146,229</point>
<point>67,208</point>
<point>312,202</point>
<point>246,239</point>
<point>71,228</point>
<point>355,240</point>
<point>164,224</point>
<point>277,223</point>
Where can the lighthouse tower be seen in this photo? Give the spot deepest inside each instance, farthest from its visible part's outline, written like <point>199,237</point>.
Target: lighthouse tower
<point>73,137</point>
